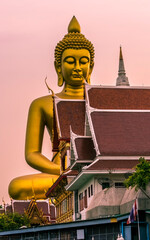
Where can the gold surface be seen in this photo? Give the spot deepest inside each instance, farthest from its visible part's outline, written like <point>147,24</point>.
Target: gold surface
<point>73,69</point>
<point>67,215</point>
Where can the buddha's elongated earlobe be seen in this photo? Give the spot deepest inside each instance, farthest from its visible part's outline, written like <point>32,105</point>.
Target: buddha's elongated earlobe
<point>88,77</point>
<point>59,74</point>
<point>88,80</point>
<point>60,80</point>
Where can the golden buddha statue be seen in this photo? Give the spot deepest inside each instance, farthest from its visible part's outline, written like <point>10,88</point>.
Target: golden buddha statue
<point>74,60</point>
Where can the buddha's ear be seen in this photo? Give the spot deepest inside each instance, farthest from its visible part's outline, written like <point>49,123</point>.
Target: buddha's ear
<point>59,74</point>
<point>57,67</point>
<point>91,69</point>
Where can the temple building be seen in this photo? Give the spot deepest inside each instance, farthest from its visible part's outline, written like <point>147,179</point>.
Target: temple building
<point>98,135</point>
<point>38,211</point>
<point>117,134</point>
<point>63,200</point>
<point>99,140</point>
<point>107,132</point>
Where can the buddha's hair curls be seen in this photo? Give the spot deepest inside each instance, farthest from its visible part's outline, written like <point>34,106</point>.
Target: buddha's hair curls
<point>73,40</point>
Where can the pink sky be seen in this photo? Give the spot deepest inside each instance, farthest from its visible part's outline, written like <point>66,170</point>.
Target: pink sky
<point>29,32</point>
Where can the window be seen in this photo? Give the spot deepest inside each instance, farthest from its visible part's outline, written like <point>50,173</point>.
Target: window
<point>43,235</point>
<point>81,201</point>
<point>70,202</point>
<point>104,231</point>
<point>105,185</point>
<point>57,211</point>
<point>89,192</point>
<point>29,238</point>
<point>85,199</point>
<point>119,185</point>
<point>92,190</point>
<point>64,206</point>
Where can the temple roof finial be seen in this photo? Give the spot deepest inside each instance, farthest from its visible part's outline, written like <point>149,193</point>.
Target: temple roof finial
<point>74,25</point>
<point>121,80</point>
<point>121,57</point>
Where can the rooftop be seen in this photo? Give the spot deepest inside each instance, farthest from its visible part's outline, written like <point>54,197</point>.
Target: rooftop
<point>69,113</point>
<point>122,133</point>
<point>105,97</point>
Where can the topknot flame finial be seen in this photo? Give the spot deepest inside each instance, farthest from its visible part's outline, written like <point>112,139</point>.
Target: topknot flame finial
<point>74,25</point>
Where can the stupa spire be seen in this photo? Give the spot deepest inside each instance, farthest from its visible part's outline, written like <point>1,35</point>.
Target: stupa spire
<point>121,80</point>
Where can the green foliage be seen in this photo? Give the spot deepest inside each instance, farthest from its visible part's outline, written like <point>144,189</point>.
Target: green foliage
<point>141,177</point>
<point>13,221</point>
<point>1,206</point>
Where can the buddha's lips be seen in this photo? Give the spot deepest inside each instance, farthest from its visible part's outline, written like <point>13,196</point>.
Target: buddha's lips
<point>77,75</point>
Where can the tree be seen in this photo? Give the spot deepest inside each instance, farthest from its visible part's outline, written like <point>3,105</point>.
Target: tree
<point>13,221</point>
<point>141,177</point>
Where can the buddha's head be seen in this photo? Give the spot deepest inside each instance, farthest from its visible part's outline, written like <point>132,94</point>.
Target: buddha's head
<point>74,57</point>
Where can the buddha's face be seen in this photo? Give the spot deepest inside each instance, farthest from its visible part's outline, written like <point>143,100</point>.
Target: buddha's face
<point>75,66</point>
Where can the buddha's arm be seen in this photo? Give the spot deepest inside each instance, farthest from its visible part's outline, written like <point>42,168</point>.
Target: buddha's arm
<point>34,137</point>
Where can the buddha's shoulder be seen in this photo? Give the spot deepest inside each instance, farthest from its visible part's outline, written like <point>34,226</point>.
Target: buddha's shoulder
<point>42,102</point>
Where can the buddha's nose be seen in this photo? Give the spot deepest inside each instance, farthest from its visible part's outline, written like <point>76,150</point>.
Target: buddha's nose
<point>77,67</point>
<point>77,70</point>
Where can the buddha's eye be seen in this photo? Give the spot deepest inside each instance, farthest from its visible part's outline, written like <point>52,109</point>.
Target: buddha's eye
<point>69,60</point>
<point>84,60</point>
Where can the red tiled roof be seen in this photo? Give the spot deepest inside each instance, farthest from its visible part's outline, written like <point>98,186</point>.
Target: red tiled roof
<point>122,133</point>
<point>85,148</point>
<point>52,210</point>
<point>119,98</point>
<point>113,165</point>
<point>59,181</point>
<point>71,113</point>
<point>20,206</point>
<point>70,173</point>
<point>44,206</point>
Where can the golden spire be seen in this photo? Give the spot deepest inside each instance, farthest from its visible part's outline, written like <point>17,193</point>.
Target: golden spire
<point>121,70</point>
<point>121,56</point>
<point>74,25</point>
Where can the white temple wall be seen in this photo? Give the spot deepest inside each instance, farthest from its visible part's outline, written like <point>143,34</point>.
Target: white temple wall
<point>88,186</point>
